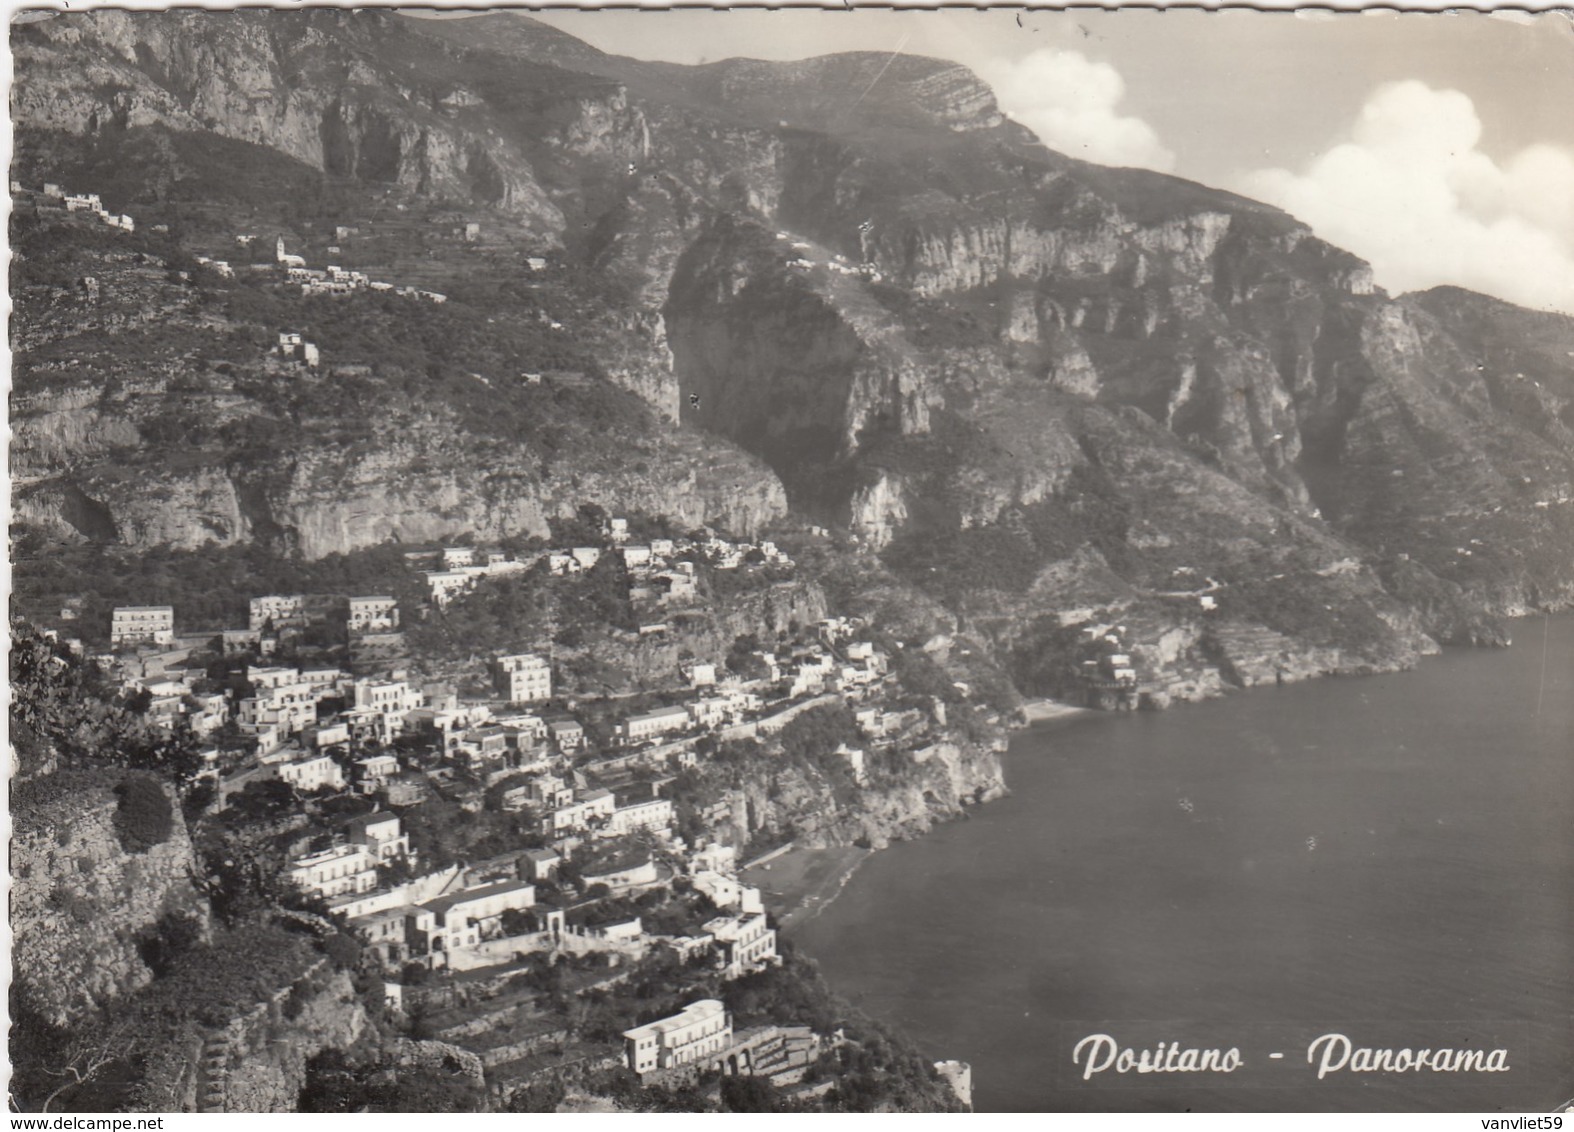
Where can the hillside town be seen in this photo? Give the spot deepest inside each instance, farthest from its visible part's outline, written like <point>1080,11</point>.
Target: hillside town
<point>333,762</point>
<point>534,558</point>
<point>331,753</point>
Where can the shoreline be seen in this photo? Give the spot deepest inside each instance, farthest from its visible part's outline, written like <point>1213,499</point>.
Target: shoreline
<point>801,883</point>
<point>1043,710</point>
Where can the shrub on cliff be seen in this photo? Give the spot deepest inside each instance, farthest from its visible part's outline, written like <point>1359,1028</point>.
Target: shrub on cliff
<point>519,921</point>
<point>336,1083</point>
<point>145,817</point>
<point>344,950</point>
<point>749,1094</point>
<point>819,729</point>
<point>544,1096</point>
<point>174,936</point>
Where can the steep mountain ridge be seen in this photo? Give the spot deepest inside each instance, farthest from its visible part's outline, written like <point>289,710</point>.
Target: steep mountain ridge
<point>933,329</point>
<point>149,438</point>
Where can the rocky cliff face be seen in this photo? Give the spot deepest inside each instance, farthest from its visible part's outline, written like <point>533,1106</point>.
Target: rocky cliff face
<point>146,438</point>
<point>928,326</point>
<point>317,512</point>
<point>257,1063</point>
<point>83,907</point>
<point>315,90</point>
<point>937,784</point>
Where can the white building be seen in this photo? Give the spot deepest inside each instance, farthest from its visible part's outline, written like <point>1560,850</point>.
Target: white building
<point>708,711</point>
<point>549,791</point>
<point>381,834</point>
<point>854,758</point>
<point>323,681</point>
<point>679,585</point>
<point>568,734</point>
<point>465,918</point>
<point>525,678</point>
<point>269,677</point>
<point>268,736</point>
<point>334,872</point>
<point>312,773</point>
<point>292,707</point>
<point>281,609</point>
<point>594,806</point>
<point>727,891</point>
<point>654,814</point>
<point>333,735</point>
<point>284,259</point>
<point>138,624</point>
<point>372,614</point>
<point>207,714</point>
<point>744,941</point>
<point>445,585</point>
<point>649,725</point>
<point>374,770</point>
<point>699,1030</point>
<point>714,858</point>
<point>389,699</point>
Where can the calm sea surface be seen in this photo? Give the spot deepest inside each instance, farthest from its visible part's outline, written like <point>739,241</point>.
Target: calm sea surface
<point>1389,857</point>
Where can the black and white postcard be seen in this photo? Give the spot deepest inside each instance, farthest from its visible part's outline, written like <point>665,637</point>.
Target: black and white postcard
<point>617,561</point>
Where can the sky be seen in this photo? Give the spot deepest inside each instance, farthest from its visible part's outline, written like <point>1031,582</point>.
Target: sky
<point>1440,147</point>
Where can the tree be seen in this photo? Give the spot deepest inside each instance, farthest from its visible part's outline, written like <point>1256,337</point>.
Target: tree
<point>344,950</point>
<point>172,937</point>
<point>749,1094</point>
<point>543,1097</point>
<point>145,817</point>
<point>519,921</point>
<point>89,1057</point>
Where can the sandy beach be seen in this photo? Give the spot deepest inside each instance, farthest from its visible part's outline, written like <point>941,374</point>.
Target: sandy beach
<point>1041,711</point>
<point>800,883</point>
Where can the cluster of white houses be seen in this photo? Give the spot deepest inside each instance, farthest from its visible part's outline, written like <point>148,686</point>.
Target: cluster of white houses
<point>335,280</point>
<point>464,566</point>
<point>155,624</point>
<point>326,708</point>
<point>432,917</point>
<point>81,202</point>
<point>331,280</point>
<point>300,721</point>
<point>372,613</point>
<point>661,570</point>
<point>305,722</point>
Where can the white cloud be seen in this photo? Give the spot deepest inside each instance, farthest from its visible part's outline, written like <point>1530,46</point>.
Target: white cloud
<point>1411,193</point>
<point>1069,102</point>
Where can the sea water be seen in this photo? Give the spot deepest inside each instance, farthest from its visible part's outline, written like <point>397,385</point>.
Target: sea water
<point>1387,859</point>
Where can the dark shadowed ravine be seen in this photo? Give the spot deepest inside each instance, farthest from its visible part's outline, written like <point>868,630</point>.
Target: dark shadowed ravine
<point>1389,857</point>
